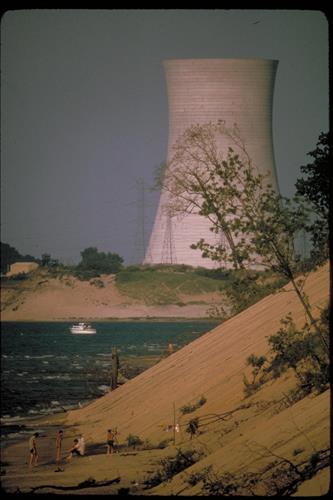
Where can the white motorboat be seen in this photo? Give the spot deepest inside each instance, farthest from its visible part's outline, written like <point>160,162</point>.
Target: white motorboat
<point>82,329</point>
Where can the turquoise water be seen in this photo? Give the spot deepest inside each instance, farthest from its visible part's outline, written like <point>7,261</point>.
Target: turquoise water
<point>45,369</point>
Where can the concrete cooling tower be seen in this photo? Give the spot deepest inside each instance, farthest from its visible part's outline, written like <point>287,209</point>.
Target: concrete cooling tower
<point>237,91</point>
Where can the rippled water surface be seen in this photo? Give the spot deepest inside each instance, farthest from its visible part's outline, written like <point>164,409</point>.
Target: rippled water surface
<point>46,369</point>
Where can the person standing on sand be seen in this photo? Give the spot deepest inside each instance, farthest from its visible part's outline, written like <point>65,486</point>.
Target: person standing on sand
<point>33,450</point>
<point>110,442</point>
<point>58,446</point>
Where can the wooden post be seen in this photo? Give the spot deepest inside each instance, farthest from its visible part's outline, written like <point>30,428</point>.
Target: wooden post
<point>114,369</point>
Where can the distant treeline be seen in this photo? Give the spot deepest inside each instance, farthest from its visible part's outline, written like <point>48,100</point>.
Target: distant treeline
<point>92,264</point>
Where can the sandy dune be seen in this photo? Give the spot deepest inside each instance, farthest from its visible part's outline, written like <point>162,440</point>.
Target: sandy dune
<point>69,299</point>
<point>237,435</point>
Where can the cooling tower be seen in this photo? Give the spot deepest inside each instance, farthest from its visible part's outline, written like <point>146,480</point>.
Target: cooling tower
<point>237,91</point>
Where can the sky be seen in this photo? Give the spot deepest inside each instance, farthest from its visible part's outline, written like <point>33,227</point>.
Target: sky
<point>84,113</point>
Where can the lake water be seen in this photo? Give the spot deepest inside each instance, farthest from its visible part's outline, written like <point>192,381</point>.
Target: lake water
<point>45,369</point>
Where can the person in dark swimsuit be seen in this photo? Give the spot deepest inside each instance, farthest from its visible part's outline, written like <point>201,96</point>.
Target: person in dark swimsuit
<point>33,450</point>
<point>110,442</point>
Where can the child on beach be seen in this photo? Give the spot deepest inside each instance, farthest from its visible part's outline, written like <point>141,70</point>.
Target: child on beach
<point>75,450</point>
<point>33,450</point>
<point>58,446</point>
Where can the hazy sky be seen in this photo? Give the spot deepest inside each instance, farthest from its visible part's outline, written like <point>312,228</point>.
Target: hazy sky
<point>85,117</point>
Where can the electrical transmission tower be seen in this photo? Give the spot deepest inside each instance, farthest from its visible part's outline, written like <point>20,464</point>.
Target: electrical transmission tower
<point>169,250</point>
<point>140,220</point>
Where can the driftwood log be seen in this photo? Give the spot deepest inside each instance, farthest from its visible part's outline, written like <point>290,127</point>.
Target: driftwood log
<point>88,483</point>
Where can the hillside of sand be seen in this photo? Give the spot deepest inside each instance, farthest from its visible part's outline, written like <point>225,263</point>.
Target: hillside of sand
<point>266,444</point>
<point>42,297</point>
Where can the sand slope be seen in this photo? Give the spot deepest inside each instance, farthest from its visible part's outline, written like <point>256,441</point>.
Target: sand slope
<point>257,431</point>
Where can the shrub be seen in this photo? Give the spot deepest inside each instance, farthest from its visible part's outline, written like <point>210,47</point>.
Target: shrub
<point>180,462</point>
<point>314,459</point>
<point>202,401</point>
<point>192,407</point>
<point>187,409</point>
<point>257,362</point>
<point>98,283</point>
<point>250,387</point>
<point>163,444</point>
<point>311,377</point>
<point>16,277</point>
<point>133,440</point>
<point>299,349</point>
<point>219,485</point>
<point>196,477</point>
<point>171,466</point>
<point>86,275</point>
<point>303,351</point>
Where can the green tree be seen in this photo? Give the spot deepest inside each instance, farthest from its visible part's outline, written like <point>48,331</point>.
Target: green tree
<point>259,224</point>
<point>200,179</point>
<point>315,189</point>
<point>100,262</point>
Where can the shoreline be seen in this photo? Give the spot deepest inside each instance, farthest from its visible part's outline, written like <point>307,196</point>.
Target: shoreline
<point>160,319</point>
<point>22,423</point>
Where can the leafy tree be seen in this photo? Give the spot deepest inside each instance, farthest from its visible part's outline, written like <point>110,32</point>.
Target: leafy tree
<point>100,262</point>
<point>315,189</point>
<point>259,224</point>
<point>199,179</point>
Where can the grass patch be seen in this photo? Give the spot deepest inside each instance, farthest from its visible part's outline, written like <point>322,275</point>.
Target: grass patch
<point>163,286</point>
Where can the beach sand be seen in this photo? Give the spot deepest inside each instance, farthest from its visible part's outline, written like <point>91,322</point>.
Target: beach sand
<point>125,468</point>
<point>237,435</point>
